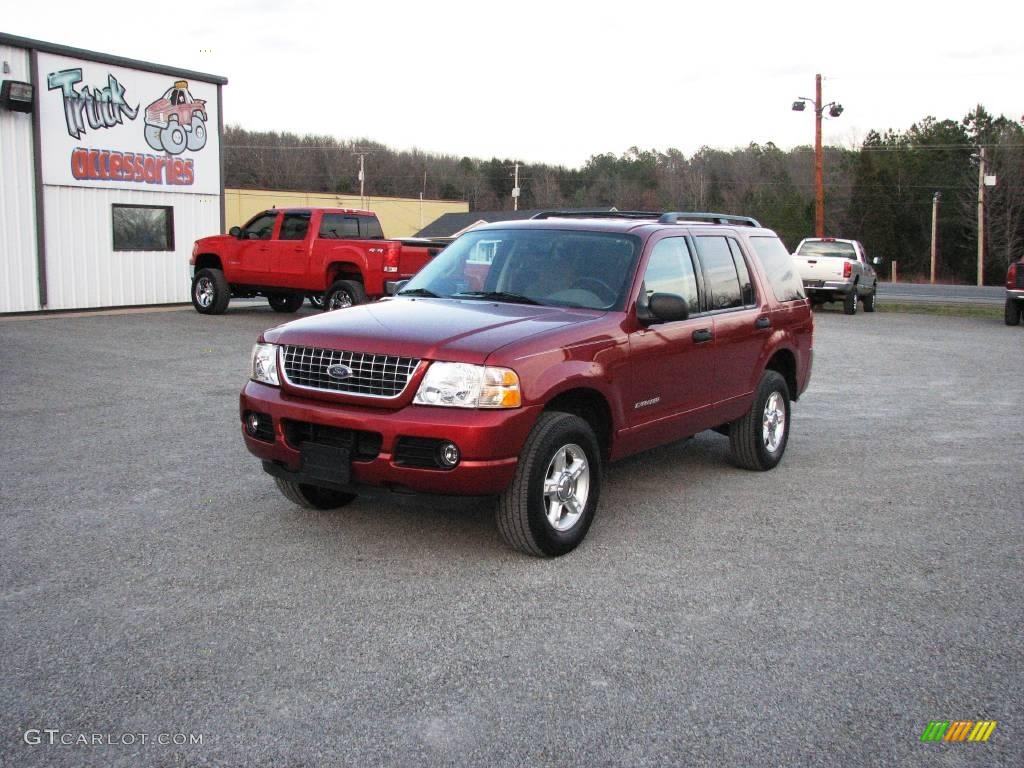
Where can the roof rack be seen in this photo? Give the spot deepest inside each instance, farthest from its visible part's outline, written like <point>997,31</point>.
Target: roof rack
<point>713,218</point>
<point>600,214</point>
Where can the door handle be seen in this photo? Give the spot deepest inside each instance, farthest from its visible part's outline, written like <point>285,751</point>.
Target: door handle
<point>763,322</point>
<point>702,335</point>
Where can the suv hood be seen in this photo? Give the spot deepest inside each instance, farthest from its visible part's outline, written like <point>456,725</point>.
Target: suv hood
<point>433,329</point>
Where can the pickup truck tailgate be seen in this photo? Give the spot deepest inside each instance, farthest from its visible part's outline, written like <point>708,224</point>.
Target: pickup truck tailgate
<point>820,267</point>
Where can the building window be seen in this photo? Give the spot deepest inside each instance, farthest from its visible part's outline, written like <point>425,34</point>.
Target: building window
<point>143,228</point>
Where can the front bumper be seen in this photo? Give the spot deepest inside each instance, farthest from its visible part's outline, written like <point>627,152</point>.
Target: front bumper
<point>489,441</point>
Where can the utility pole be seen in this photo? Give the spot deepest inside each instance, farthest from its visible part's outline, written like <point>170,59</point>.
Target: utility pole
<point>362,174</point>
<point>981,218</point>
<point>935,232</point>
<point>834,110</point>
<point>819,164</point>
<point>515,190</point>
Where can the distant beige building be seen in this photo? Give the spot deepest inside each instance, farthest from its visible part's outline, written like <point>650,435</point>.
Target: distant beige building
<point>400,217</point>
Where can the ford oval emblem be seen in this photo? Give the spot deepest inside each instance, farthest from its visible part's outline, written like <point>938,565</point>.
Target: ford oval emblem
<point>339,371</point>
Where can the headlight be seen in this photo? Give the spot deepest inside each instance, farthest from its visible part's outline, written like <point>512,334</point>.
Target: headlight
<point>264,364</point>
<point>469,386</point>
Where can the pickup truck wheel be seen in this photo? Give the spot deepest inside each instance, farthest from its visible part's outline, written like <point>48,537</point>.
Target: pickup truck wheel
<point>547,509</point>
<point>286,302</point>
<point>312,496</point>
<point>850,302</point>
<point>1012,313</point>
<point>210,292</point>
<point>197,136</point>
<point>758,439</point>
<point>173,137</point>
<point>869,300</point>
<point>344,293</point>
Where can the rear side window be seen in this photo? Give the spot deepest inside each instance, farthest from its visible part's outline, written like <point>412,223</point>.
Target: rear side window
<point>720,275</point>
<point>345,226</point>
<point>779,268</point>
<point>747,291</point>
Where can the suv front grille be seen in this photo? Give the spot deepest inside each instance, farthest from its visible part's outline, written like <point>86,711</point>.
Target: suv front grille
<point>383,376</point>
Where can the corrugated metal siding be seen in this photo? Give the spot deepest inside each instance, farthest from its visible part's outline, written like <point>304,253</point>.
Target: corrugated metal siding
<point>19,290</point>
<point>82,268</point>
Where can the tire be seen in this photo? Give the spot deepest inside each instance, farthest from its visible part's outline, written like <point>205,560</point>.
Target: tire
<point>313,496</point>
<point>561,454</point>
<point>286,302</point>
<point>343,294</point>
<point>869,300</point>
<point>152,134</point>
<point>197,136</point>
<point>850,302</point>
<point>758,439</point>
<point>210,292</point>
<point>1013,312</point>
<point>174,138</point>
<point>316,300</point>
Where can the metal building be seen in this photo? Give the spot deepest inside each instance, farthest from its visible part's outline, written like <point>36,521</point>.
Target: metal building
<point>110,168</point>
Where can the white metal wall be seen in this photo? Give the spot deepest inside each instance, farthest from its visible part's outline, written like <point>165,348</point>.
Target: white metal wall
<point>84,270</point>
<point>19,290</point>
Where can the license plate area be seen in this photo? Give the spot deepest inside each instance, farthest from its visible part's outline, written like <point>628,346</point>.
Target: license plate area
<point>328,463</point>
<point>813,283</point>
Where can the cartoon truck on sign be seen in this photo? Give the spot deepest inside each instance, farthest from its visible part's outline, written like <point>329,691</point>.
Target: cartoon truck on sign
<point>176,122</point>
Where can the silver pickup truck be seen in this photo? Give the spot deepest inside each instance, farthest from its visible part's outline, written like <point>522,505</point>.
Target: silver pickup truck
<point>837,270</point>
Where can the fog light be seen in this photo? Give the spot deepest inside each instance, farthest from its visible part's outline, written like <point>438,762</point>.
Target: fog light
<point>252,424</point>
<point>449,454</point>
<point>259,425</point>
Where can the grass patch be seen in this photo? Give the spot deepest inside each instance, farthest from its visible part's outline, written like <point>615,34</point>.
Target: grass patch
<point>951,310</point>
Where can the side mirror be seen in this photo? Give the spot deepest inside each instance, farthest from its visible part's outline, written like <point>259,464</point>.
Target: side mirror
<point>668,307</point>
<point>877,261</point>
<point>235,232</point>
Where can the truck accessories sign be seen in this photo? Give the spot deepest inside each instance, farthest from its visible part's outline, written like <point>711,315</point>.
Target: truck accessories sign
<point>97,133</point>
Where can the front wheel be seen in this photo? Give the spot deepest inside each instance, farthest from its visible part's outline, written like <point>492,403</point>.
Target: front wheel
<point>869,300</point>
<point>210,292</point>
<point>850,302</point>
<point>343,294</point>
<point>174,138</point>
<point>285,302</point>
<point>758,439</point>
<point>1013,312</point>
<point>312,496</point>
<point>548,508</point>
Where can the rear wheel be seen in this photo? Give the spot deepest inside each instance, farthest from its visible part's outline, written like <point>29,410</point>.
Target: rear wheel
<point>286,302</point>
<point>344,293</point>
<point>758,439</point>
<point>210,292</point>
<point>850,302</point>
<point>548,508</point>
<point>1013,312</point>
<point>312,496</point>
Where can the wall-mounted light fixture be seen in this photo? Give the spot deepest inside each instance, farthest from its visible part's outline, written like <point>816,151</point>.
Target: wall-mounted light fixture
<point>16,96</point>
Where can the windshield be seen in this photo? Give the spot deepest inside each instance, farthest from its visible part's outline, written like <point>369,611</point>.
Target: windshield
<point>590,270</point>
<point>828,248</point>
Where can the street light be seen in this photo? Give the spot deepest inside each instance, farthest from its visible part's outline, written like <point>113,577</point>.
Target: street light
<point>834,110</point>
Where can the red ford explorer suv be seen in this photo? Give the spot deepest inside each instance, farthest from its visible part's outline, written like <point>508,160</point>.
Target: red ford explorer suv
<point>529,354</point>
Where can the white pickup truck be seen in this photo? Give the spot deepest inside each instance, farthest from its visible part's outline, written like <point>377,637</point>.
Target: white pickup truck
<point>837,270</point>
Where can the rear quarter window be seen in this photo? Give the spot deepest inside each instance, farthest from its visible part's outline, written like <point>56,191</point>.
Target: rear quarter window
<point>779,268</point>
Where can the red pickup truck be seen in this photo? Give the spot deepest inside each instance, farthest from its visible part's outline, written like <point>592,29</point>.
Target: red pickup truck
<point>530,353</point>
<point>286,254</point>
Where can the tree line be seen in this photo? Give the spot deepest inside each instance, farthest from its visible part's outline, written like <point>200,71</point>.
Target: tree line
<point>880,192</point>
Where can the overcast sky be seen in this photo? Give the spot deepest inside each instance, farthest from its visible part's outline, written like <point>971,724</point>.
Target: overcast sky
<point>558,81</point>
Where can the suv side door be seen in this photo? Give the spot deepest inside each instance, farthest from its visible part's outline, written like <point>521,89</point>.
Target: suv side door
<point>741,325</point>
<point>671,363</point>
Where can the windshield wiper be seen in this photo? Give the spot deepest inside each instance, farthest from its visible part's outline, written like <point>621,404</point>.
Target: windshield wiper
<point>514,298</point>
<point>418,292</point>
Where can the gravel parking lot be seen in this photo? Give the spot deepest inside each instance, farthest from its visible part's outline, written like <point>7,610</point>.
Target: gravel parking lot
<point>154,582</point>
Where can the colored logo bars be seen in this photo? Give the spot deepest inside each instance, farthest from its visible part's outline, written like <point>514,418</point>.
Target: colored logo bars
<point>958,730</point>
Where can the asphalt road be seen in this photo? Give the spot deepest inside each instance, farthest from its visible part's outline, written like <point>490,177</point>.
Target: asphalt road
<point>155,583</point>
<point>941,294</point>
